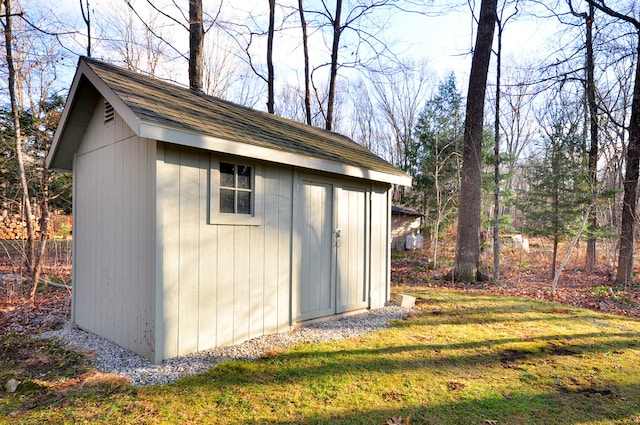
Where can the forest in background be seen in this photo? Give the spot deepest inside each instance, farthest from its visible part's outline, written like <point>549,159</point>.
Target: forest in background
<point>560,141</point>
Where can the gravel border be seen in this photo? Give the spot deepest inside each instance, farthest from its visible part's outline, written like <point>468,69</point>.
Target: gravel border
<point>110,358</point>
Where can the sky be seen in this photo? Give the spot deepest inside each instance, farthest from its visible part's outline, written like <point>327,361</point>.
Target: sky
<point>444,41</point>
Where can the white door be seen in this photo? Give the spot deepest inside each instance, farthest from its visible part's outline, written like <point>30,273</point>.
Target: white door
<point>317,286</point>
<point>331,225</point>
<point>351,249</point>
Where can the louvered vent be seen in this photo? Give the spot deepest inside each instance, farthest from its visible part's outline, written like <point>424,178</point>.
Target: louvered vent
<point>109,113</point>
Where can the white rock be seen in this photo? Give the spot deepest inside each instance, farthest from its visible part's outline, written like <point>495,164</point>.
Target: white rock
<point>406,301</point>
<point>110,358</point>
<point>12,385</point>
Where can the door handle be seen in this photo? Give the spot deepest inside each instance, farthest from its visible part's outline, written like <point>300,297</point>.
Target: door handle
<point>338,232</point>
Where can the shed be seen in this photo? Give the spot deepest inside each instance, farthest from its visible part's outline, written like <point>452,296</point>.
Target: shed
<point>404,222</point>
<point>201,223</point>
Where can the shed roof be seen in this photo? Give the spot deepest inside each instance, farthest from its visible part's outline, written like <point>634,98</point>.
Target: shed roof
<point>398,210</point>
<point>166,112</point>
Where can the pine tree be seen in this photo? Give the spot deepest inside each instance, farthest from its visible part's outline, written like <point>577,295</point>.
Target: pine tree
<point>558,190</point>
<point>436,156</point>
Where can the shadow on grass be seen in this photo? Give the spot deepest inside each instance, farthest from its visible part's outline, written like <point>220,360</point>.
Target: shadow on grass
<point>548,408</point>
<point>446,358</point>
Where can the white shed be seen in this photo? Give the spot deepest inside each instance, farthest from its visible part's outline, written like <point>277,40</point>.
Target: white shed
<point>201,223</point>
<point>404,222</point>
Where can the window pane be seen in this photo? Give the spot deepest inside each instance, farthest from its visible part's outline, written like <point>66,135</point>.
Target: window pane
<point>244,177</point>
<point>227,174</point>
<point>244,202</point>
<point>227,201</point>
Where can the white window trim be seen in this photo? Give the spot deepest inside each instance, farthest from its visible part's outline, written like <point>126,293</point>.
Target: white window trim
<point>257,195</point>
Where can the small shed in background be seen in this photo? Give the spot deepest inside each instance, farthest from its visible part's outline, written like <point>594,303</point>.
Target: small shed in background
<point>201,223</point>
<point>404,222</point>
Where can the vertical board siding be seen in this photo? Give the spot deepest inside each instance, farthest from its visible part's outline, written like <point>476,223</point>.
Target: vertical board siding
<point>380,246</point>
<point>207,268</point>
<point>352,250</point>
<point>316,297</point>
<point>271,253</point>
<point>285,228</point>
<point>169,191</point>
<point>188,251</point>
<point>222,284</point>
<point>113,246</point>
<point>241,286</point>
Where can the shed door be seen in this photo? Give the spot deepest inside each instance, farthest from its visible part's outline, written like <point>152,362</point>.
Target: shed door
<point>317,288</point>
<point>351,249</point>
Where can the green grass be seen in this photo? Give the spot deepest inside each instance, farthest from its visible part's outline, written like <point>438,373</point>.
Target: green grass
<point>465,359</point>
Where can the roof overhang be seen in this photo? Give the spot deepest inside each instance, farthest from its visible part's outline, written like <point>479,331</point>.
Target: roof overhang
<point>86,89</point>
<point>214,144</point>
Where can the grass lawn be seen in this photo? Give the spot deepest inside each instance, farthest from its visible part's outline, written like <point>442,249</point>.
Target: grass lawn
<point>465,358</point>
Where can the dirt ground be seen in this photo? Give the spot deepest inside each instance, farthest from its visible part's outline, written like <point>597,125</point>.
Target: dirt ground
<point>527,274</point>
<point>523,274</point>
<point>52,305</point>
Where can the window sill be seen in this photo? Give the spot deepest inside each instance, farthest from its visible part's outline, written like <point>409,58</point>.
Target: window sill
<point>235,220</point>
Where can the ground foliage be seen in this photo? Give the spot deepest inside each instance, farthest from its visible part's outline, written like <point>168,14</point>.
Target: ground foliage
<point>526,274</point>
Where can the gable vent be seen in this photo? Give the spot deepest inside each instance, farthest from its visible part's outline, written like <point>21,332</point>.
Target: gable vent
<point>109,113</point>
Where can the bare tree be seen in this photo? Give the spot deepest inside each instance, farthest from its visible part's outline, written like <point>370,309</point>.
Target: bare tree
<point>305,52</point>
<point>141,49</point>
<point>625,257</point>
<point>28,75</point>
<point>15,112</point>
<point>333,70</point>
<point>348,25</point>
<point>86,16</point>
<point>592,110</point>
<point>196,42</point>
<point>400,92</point>
<point>270,73</point>
<point>222,69</point>
<point>501,22</point>
<point>468,239</point>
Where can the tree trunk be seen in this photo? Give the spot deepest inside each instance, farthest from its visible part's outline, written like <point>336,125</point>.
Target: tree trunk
<point>44,233</point>
<point>590,260</point>
<point>468,240</point>
<point>196,42</point>
<point>625,258</point>
<point>333,73</point>
<point>554,257</point>
<point>32,259</point>
<point>496,164</point>
<point>270,74</point>
<point>305,49</point>
<point>30,252</point>
<point>87,20</point>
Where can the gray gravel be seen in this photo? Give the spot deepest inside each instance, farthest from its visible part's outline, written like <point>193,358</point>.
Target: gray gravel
<point>110,358</point>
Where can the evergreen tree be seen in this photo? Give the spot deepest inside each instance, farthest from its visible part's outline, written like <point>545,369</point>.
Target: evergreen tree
<point>435,156</point>
<point>37,131</point>
<point>558,189</point>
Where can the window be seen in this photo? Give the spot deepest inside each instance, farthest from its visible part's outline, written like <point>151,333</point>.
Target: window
<point>235,192</point>
<point>235,189</point>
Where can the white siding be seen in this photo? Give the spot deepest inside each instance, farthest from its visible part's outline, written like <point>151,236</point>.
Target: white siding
<point>380,262</point>
<point>352,252</point>
<point>114,234</point>
<point>221,284</point>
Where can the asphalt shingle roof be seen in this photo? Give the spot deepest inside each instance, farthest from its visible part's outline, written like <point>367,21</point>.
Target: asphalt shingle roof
<point>167,104</point>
